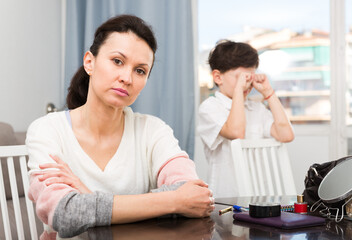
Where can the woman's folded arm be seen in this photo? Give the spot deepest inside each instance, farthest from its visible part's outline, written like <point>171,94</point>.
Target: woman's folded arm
<point>68,211</point>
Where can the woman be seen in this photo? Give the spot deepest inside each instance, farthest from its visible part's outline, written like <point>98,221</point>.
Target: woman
<point>96,164</point>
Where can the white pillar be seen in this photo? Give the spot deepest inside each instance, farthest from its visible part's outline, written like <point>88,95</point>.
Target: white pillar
<point>338,139</point>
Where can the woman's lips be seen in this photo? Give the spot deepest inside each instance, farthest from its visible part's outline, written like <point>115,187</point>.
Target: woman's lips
<point>121,92</point>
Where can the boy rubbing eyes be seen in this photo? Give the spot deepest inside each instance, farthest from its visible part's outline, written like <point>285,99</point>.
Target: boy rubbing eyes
<point>230,115</point>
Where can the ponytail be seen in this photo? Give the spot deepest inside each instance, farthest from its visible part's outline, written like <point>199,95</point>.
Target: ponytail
<point>78,90</point>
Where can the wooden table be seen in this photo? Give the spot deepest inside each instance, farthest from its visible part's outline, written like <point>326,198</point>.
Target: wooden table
<point>218,227</point>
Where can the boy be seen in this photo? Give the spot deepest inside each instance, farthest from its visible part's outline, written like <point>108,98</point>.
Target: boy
<point>229,115</point>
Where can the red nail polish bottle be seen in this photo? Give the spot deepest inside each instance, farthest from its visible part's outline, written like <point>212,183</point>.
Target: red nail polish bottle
<point>301,206</point>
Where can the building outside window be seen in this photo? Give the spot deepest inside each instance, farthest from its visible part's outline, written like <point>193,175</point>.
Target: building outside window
<point>294,53</point>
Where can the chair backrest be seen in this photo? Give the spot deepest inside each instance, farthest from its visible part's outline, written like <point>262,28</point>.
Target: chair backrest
<point>262,167</point>
<point>10,154</point>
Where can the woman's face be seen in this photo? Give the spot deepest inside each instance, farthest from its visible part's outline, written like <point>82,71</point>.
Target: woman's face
<point>120,70</point>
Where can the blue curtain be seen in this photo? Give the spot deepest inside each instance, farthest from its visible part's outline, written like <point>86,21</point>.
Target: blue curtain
<point>169,93</point>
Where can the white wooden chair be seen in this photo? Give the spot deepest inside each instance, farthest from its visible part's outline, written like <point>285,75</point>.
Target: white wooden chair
<point>12,154</point>
<point>262,167</point>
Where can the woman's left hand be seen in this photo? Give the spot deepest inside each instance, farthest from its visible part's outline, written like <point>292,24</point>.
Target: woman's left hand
<point>62,175</point>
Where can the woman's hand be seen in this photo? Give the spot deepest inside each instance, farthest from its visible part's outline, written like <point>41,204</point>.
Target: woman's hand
<point>62,175</point>
<point>262,84</point>
<point>194,199</point>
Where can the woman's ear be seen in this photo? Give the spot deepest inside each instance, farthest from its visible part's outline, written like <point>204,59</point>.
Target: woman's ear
<point>88,62</point>
<point>217,77</point>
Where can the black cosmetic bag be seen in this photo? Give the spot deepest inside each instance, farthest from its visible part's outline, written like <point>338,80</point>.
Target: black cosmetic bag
<point>315,176</point>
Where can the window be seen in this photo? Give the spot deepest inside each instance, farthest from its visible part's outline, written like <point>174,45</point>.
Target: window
<point>293,47</point>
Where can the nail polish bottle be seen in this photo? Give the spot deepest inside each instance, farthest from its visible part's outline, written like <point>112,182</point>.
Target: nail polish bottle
<point>300,206</point>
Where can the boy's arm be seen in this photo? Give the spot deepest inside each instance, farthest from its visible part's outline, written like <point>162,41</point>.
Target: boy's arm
<point>281,129</point>
<point>235,125</point>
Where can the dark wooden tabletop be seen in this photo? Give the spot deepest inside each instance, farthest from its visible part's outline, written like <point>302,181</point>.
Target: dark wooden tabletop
<point>218,227</point>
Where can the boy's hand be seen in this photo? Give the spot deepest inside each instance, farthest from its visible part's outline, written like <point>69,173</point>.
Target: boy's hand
<point>261,83</point>
<point>244,81</point>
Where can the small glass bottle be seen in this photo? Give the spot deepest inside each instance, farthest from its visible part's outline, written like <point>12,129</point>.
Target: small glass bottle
<point>300,206</point>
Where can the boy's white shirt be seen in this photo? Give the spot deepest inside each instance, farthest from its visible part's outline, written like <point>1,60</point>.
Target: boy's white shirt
<point>213,113</point>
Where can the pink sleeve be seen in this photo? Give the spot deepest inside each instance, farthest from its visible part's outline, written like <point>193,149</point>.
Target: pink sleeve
<point>177,169</point>
<point>48,236</point>
<point>46,198</point>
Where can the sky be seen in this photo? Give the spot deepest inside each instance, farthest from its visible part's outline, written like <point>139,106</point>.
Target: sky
<point>218,19</point>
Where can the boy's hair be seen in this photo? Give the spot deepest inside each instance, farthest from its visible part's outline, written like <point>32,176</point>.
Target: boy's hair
<point>231,55</point>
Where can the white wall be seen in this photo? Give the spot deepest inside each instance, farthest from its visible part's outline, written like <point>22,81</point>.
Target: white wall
<point>311,145</point>
<point>199,159</point>
<point>30,59</point>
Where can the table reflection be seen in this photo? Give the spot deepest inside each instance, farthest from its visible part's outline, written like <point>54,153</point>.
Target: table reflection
<point>160,228</point>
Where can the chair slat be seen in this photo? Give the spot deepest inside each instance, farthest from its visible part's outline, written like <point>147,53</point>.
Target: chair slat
<point>4,212</point>
<point>248,180</point>
<point>287,179</point>
<point>275,168</point>
<point>268,176</point>
<point>253,173</point>
<point>29,204</point>
<point>15,199</point>
<point>259,167</point>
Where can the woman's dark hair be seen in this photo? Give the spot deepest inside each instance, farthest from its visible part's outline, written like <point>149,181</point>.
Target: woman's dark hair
<point>78,90</point>
<point>229,55</point>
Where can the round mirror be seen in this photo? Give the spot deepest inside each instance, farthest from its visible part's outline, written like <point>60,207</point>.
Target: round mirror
<point>337,184</point>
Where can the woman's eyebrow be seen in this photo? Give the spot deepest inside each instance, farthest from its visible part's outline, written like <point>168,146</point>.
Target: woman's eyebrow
<point>143,64</point>
<point>124,56</point>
